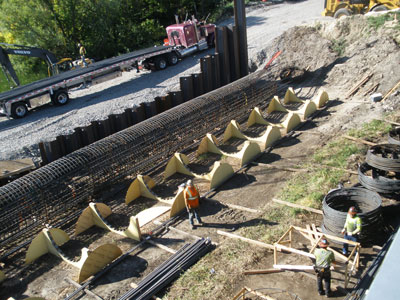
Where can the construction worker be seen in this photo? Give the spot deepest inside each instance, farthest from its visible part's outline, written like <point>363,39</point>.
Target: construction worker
<point>352,228</point>
<point>192,198</point>
<point>82,53</point>
<point>323,260</point>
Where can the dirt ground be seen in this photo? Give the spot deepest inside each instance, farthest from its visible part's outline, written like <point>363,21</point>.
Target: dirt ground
<point>311,50</point>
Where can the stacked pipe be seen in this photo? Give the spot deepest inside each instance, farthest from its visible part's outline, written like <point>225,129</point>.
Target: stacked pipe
<point>368,204</point>
<point>56,192</point>
<point>169,270</point>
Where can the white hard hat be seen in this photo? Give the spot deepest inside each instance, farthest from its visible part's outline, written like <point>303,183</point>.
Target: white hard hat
<point>189,182</point>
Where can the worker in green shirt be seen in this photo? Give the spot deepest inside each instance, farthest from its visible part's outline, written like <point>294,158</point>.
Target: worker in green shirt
<point>323,260</point>
<point>352,228</point>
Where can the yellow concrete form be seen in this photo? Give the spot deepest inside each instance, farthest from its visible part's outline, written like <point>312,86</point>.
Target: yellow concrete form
<point>275,105</point>
<point>245,155</point>
<point>49,240</point>
<point>95,214</point>
<point>219,173</point>
<point>257,118</point>
<point>179,203</point>
<point>307,109</point>
<point>142,186</point>
<point>30,298</point>
<point>290,97</point>
<point>271,134</point>
<point>321,99</point>
<point>2,276</point>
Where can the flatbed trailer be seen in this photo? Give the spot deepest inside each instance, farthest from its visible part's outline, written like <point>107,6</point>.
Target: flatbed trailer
<point>54,89</point>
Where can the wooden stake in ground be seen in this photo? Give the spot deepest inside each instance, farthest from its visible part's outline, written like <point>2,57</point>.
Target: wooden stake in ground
<point>359,140</point>
<point>358,85</point>
<point>317,211</point>
<point>265,271</point>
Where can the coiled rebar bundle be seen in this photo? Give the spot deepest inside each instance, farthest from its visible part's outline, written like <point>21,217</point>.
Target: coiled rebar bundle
<point>368,204</point>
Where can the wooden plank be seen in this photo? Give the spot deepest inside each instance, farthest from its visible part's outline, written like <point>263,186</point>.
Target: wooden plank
<point>260,244</point>
<point>258,294</point>
<point>284,235</point>
<point>268,166</point>
<point>359,140</point>
<point>264,271</point>
<point>292,250</point>
<point>240,294</point>
<point>315,244</point>
<point>317,211</point>
<point>293,267</point>
<point>161,246</point>
<point>328,236</point>
<point>310,236</point>
<point>146,216</point>
<point>358,85</point>
<point>391,91</point>
<point>234,206</point>
<point>87,292</point>
<point>314,228</point>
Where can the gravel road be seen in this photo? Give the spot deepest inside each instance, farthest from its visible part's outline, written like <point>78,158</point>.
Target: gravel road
<point>20,138</point>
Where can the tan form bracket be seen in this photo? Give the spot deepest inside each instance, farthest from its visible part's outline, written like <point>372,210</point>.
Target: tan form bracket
<point>49,241</point>
<point>219,173</point>
<point>95,214</point>
<point>248,152</point>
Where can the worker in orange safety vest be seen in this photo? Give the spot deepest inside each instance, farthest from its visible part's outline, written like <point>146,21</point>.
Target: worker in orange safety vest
<point>192,201</point>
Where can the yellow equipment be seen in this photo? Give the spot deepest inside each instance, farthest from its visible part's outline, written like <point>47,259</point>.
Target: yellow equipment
<point>337,8</point>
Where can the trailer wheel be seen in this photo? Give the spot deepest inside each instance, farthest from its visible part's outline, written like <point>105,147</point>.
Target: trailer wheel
<point>19,110</point>
<point>160,63</point>
<point>60,97</point>
<point>342,12</point>
<point>172,58</point>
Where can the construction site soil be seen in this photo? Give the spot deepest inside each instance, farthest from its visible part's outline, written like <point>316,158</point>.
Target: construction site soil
<point>333,55</point>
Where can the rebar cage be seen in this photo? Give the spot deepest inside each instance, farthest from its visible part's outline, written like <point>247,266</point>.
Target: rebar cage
<point>56,193</point>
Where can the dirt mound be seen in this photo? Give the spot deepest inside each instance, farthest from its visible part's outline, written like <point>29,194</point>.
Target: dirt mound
<point>340,53</point>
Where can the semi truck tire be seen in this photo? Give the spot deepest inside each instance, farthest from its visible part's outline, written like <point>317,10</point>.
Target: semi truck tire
<point>342,12</point>
<point>172,58</point>
<point>160,63</point>
<point>60,97</point>
<point>19,110</point>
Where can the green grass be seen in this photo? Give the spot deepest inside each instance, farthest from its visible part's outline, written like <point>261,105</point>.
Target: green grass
<point>379,21</point>
<point>372,129</point>
<point>339,46</point>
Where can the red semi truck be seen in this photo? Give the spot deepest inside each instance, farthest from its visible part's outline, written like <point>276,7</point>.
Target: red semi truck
<point>183,40</point>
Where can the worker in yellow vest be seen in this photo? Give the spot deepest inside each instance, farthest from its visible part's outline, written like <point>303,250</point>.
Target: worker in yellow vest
<point>192,201</point>
<point>82,53</point>
<point>324,259</point>
<point>352,228</point>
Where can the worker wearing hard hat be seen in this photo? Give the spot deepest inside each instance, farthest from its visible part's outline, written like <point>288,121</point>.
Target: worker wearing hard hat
<point>323,260</point>
<point>82,53</point>
<point>192,200</point>
<point>352,228</point>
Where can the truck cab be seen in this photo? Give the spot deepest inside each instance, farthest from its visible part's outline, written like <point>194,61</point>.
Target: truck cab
<point>191,33</point>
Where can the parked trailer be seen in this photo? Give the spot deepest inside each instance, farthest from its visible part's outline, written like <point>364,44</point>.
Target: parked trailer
<point>15,103</point>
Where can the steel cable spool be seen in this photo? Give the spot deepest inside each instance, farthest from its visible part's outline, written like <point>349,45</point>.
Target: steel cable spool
<point>337,203</point>
<point>384,157</point>
<point>378,181</point>
<point>394,136</point>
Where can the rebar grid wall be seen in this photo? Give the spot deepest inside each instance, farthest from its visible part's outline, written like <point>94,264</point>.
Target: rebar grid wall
<point>59,191</point>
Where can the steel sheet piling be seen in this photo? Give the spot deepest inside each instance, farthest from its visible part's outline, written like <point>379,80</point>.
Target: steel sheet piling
<point>186,83</point>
